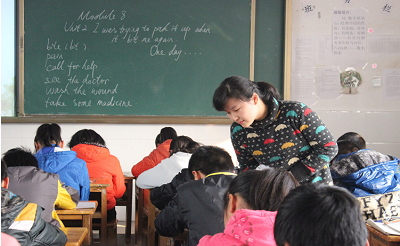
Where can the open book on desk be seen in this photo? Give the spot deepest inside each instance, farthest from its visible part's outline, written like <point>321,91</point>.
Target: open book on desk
<point>86,204</point>
<point>392,228</point>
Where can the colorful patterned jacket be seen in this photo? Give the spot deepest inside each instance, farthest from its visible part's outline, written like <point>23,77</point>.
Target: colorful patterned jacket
<point>292,137</point>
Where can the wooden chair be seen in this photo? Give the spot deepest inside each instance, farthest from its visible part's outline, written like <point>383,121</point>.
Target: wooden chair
<point>108,230</point>
<point>79,217</point>
<point>145,213</point>
<point>173,241</point>
<point>75,235</point>
<point>145,232</point>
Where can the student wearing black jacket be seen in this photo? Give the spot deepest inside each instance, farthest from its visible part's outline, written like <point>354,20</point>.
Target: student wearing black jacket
<point>198,204</point>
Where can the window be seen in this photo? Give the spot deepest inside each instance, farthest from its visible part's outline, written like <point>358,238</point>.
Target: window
<point>7,57</point>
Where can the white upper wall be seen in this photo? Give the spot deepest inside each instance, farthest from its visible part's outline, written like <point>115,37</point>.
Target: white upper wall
<point>128,142</point>
<point>131,142</point>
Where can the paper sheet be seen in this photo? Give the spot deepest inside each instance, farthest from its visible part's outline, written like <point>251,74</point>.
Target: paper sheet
<point>85,204</point>
<point>391,84</point>
<point>328,83</point>
<point>382,227</point>
<point>349,37</point>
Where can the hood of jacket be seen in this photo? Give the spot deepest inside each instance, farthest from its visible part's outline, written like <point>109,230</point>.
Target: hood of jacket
<point>54,158</point>
<point>377,178</point>
<point>245,227</point>
<point>252,226</point>
<point>346,164</point>
<point>91,153</point>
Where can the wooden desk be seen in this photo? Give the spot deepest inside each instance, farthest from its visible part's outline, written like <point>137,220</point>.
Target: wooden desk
<point>83,214</point>
<point>126,200</point>
<point>75,235</point>
<point>96,185</point>
<point>377,238</point>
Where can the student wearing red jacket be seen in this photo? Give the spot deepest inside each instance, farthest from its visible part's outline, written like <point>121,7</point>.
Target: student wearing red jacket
<point>163,141</point>
<point>91,147</point>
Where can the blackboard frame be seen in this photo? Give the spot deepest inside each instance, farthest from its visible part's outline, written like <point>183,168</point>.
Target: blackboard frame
<point>23,118</point>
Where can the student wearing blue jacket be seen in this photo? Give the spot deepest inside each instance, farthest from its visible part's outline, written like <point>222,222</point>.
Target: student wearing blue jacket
<point>362,171</point>
<point>53,159</point>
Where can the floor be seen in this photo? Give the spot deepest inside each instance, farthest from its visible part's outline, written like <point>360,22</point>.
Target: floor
<point>121,240</point>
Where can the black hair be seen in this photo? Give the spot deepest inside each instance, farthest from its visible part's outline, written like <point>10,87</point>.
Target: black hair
<point>165,134</point>
<point>210,159</point>
<point>47,133</point>
<point>4,171</point>
<point>183,144</point>
<point>243,89</point>
<point>86,136</point>
<point>320,215</point>
<point>262,190</point>
<point>350,142</point>
<point>18,157</point>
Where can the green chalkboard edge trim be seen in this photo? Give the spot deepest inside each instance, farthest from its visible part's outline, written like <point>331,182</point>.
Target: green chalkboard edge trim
<point>117,119</point>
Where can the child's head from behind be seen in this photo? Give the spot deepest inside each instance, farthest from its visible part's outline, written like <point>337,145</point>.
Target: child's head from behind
<point>86,136</point>
<point>209,159</point>
<point>320,215</point>
<point>165,134</point>
<point>18,157</point>
<point>242,89</point>
<point>47,135</point>
<point>183,144</point>
<point>4,174</point>
<point>350,142</point>
<point>258,190</point>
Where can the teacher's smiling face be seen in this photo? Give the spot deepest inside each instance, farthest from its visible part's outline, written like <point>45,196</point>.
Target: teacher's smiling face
<point>242,112</point>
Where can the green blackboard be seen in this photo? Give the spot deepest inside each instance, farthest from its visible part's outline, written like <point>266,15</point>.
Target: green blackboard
<point>139,57</point>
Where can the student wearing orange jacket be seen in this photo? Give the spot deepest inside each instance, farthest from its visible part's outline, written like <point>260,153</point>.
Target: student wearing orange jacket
<point>91,147</point>
<point>163,142</point>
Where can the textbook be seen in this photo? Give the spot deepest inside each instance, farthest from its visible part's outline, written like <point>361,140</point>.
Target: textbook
<point>85,204</point>
<point>391,228</point>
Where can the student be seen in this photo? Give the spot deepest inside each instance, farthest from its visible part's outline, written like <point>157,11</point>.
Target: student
<point>53,159</point>
<point>22,219</point>
<point>198,204</point>
<point>316,215</point>
<point>251,203</point>
<point>8,240</point>
<point>163,141</point>
<point>160,196</point>
<point>181,150</point>
<point>37,186</point>
<point>91,147</point>
<point>364,171</point>
<point>279,134</point>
